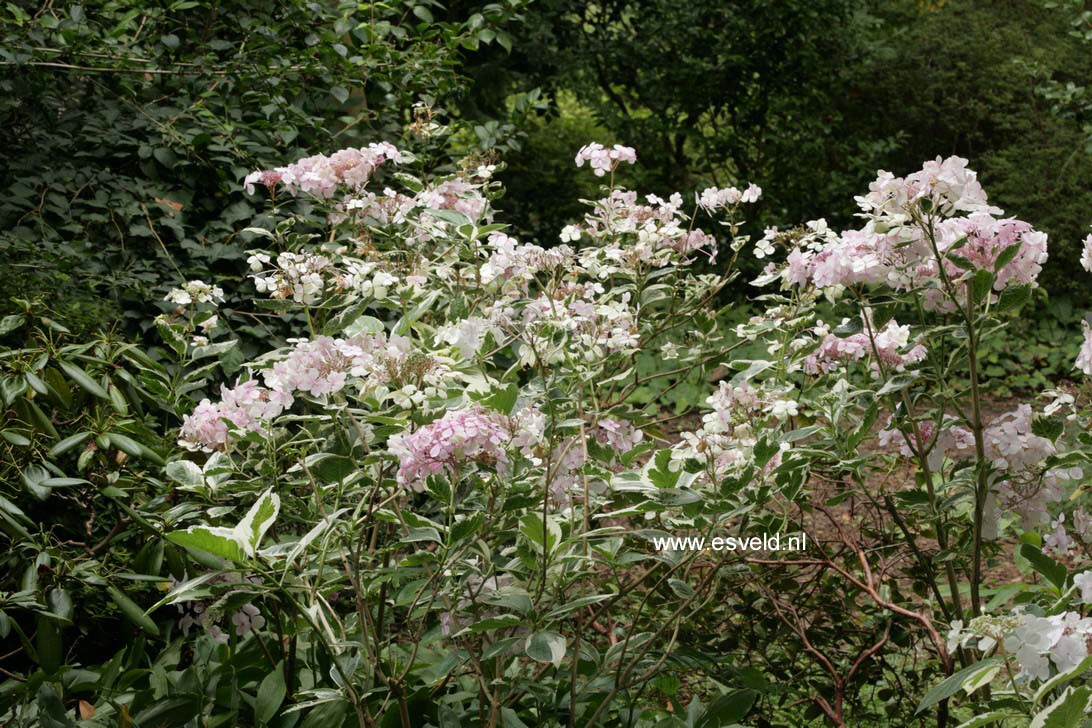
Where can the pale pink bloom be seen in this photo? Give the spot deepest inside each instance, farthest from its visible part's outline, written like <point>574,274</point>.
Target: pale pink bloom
<point>248,406</point>
<point>604,160</point>
<point>248,619</point>
<point>619,435</point>
<point>1084,357</point>
<point>321,175</point>
<point>460,436</point>
<point>891,345</point>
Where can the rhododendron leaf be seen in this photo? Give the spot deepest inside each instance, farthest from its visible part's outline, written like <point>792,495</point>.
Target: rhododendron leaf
<point>131,447</point>
<point>32,477</point>
<point>133,612</point>
<point>82,378</point>
<point>15,438</point>
<point>271,693</point>
<point>11,323</point>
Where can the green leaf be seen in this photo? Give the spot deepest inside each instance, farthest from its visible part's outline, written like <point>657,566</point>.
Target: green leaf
<point>364,325</point>
<point>993,718</point>
<point>545,538</point>
<point>185,473</point>
<point>131,447</point>
<point>1063,678</point>
<point>68,443</point>
<point>983,284</point>
<point>954,683</point>
<point>133,612</point>
<point>1013,298</point>
<point>51,712</point>
<point>502,400</point>
<point>15,438</point>
<point>451,216</point>
<point>897,383</point>
<point>271,694</point>
<point>727,710</point>
<point>32,477</point>
<point>546,647</point>
<point>1006,257</point>
<point>64,482</point>
<point>221,542</point>
<point>1050,428</point>
<point>258,520</point>
<point>1065,712</point>
<point>82,378</point>
<point>11,323</point>
<point>1054,572</point>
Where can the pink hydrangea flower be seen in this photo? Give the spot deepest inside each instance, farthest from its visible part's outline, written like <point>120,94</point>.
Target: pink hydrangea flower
<point>470,435</point>
<point>602,159</point>
<point>1084,358</point>
<point>891,344</point>
<point>321,175</point>
<point>619,435</point>
<point>248,407</point>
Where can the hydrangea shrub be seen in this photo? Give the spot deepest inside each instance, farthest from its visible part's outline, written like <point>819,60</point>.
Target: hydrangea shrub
<point>443,498</point>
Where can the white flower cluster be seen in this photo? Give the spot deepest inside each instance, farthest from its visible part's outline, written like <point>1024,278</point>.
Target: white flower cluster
<point>725,442</point>
<point>195,292</point>
<point>300,277</point>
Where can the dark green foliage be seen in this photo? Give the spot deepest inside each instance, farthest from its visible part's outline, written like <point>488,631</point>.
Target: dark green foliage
<point>809,99</point>
<point>127,127</point>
